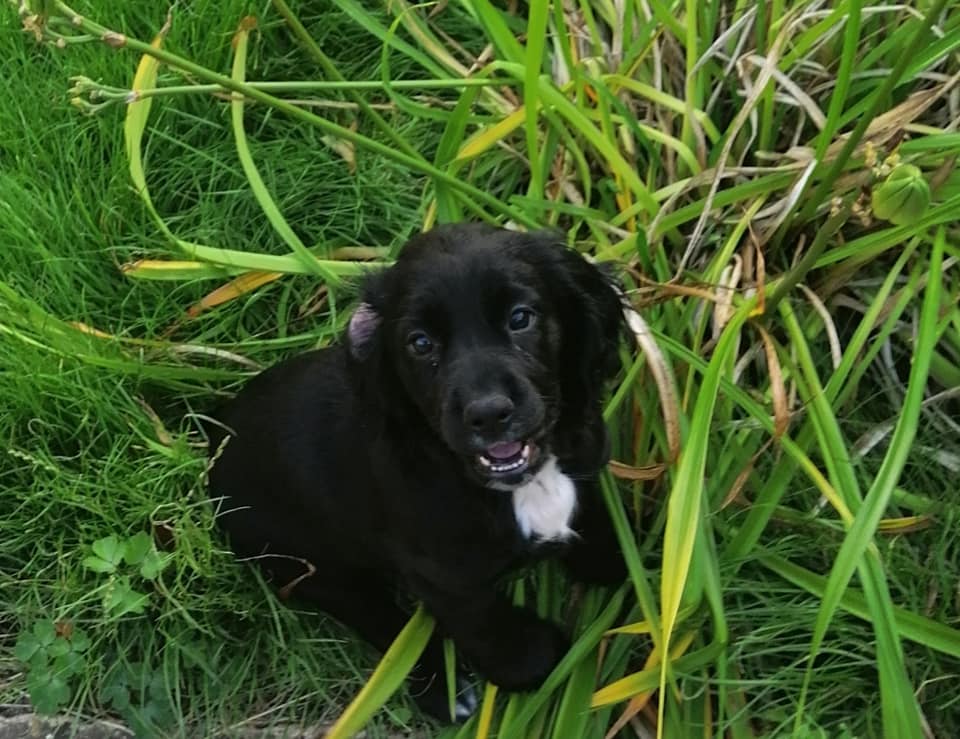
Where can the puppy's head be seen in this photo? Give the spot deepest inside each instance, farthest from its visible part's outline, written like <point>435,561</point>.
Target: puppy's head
<point>497,341</point>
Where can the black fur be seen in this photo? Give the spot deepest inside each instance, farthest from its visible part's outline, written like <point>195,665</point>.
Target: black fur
<point>362,459</point>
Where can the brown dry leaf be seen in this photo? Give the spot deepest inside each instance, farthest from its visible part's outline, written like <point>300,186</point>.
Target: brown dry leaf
<point>661,291</point>
<point>888,127</point>
<point>883,133</point>
<point>628,472</point>
<point>734,493</point>
<point>64,629</point>
<point>781,412</point>
<point>669,404</point>
<point>247,24</point>
<point>287,590</point>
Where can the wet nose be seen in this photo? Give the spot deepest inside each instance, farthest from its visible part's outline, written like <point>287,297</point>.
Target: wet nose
<point>488,414</point>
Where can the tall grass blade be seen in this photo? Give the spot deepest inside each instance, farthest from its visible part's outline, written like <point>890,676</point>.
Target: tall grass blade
<point>536,41</point>
<point>485,719</point>
<point>687,492</point>
<point>393,669</point>
<point>867,519</point>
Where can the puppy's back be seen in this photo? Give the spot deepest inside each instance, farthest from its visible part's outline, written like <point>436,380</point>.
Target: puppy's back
<point>288,461</point>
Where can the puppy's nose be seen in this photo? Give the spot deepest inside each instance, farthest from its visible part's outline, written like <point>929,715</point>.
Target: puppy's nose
<point>489,413</point>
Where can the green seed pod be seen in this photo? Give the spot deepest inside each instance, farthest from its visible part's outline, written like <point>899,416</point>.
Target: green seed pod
<point>903,197</point>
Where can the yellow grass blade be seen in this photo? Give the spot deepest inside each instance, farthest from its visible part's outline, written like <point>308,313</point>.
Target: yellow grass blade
<point>489,137</point>
<point>642,681</point>
<point>238,286</point>
<point>486,711</point>
<point>640,700</point>
<point>389,675</point>
<point>136,119</point>
<point>172,269</point>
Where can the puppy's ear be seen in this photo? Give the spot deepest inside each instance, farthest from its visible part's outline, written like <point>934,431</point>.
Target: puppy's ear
<point>362,330</point>
<point>591,309</point>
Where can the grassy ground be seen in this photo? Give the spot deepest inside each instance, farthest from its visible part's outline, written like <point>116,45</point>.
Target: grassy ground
<point>818,425</point>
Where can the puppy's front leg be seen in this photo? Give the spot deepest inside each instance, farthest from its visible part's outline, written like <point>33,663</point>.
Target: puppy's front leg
<point>595,556</point>
<point>511,647</point>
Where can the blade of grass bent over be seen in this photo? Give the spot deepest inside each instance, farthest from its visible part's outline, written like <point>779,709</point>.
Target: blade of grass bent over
<point>266,201</point>
<point>135,122</point>
<point>134,126</point>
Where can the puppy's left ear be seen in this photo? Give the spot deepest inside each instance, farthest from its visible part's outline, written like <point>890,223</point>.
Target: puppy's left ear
<point>591,310</point>
<point>362,331</point>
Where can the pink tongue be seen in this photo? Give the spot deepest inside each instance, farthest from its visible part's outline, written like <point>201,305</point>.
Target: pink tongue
<point>504,450</point>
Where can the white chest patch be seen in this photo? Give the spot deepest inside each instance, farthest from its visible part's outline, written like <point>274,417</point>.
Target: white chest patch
<point>544,506</point>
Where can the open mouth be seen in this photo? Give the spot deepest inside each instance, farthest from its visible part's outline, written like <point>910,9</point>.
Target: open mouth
<point>506,457</point>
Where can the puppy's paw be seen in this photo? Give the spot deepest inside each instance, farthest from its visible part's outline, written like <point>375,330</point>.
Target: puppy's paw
<point>527,655</point>
<point>431,697</point>
<point>467,701</point>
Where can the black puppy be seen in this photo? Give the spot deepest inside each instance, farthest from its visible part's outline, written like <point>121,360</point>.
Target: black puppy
<point>455,437</point>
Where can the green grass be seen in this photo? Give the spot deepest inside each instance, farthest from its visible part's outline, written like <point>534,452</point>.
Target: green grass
<point>795,558</point>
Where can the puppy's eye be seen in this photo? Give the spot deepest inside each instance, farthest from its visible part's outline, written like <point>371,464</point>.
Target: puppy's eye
<point>419,343</point>
<point>521,318</point>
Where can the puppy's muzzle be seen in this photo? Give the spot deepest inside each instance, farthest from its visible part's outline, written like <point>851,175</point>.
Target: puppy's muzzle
<point>493,415</point>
